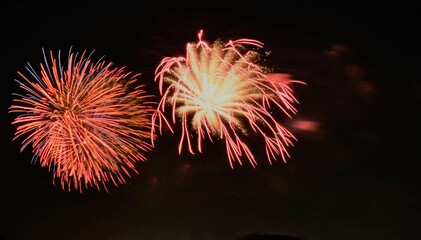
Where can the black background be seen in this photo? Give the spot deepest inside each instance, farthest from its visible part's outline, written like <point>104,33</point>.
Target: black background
<point>354,177</point>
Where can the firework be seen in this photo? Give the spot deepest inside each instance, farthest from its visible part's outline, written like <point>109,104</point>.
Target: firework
<point>88,122</point>
<point>222,91</point>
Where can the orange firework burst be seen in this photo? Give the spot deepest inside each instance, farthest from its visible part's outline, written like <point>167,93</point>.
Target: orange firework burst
<point>221,90</point>
<point>88,122</point>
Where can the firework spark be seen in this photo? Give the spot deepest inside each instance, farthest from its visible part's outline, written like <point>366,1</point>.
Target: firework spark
<point>88,122</point>
<point>222,91</point>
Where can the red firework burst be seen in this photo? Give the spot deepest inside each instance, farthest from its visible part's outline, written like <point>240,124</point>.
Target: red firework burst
<point>88,122</point>
<point>221,90</point>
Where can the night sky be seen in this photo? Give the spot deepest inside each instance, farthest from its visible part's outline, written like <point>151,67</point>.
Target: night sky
<point>353,174</point>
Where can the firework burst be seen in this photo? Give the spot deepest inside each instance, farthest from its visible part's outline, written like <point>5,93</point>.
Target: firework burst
<point>88,122</point>
<point>222,91</point>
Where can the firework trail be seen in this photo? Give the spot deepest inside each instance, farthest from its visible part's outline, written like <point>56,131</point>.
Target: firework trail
<point>221,91</point>
<point>88,122</point>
